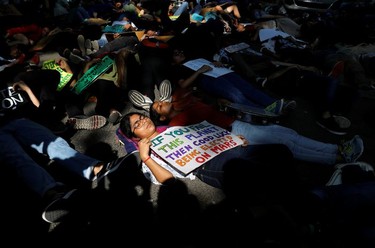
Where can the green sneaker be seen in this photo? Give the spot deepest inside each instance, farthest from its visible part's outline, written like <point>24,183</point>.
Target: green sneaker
<point>352,149</point>
<point>275,107</point>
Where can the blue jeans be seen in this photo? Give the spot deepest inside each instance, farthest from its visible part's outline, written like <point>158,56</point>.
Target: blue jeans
<point>236,89</point>
<point>115,45</point>
<point>21,135</point>
<point>244,169</point>
<point>183,7</point>
<point>302,148</point>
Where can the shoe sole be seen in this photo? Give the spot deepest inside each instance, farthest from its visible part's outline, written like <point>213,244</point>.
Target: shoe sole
<point>291,105</point>
<point>75,58</point>
<point>272,108</point>
<point>165,91</point>
<point>114,118</point>
<point>288,107</point>
<point>140,100</point>
<point>358,155</point>
<point>95,45</point>
<point>96,180</point>
<point>357,141</point>
<point>90,123</point>
<point>51,215</point>
<point>81,44</point>
<point>336,178</point>
<point>88,44</point>
<point>342,121</point>
<point>329,130</point>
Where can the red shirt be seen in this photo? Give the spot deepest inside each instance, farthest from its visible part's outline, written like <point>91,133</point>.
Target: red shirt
<point>32,32</point>
<point>198,112</point>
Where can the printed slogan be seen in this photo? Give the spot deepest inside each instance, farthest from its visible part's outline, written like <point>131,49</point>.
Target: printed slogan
<point>186,148</point>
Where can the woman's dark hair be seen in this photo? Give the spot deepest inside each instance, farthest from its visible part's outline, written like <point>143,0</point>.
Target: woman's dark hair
<point>125,122</point>
<point>125,127</point>
<point>121,59</point>
<point>155,117</point>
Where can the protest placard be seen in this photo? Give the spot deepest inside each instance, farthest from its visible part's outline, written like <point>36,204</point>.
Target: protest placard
<point>64,76</point>
<point>92,74</point>
<point>186,148</point>
<point>196,64</point>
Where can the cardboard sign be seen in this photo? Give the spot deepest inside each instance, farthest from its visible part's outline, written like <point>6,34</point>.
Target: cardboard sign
<point>92,74</point>
<point>196,64</point>
<point>186,148</point>
<point>64,76</point>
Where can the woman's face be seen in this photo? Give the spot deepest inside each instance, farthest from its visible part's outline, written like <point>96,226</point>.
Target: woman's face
<point>162,108</point>
<point>141,126</point>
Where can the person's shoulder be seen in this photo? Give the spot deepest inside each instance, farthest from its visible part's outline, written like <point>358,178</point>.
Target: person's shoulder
<point>129,144</point>
<point>162,128</point>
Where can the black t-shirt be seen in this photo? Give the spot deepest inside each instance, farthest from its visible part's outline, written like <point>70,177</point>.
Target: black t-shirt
<point>15,105</point>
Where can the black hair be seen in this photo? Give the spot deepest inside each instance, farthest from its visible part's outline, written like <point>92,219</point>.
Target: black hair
<point>155,117</point>
<point>125,127</point>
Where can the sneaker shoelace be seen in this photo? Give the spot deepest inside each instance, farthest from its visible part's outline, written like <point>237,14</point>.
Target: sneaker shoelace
<point>275,107</point>
<point>348,151</point>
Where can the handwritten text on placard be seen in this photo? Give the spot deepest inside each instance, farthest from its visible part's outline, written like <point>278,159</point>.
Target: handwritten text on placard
<point>187,148</point>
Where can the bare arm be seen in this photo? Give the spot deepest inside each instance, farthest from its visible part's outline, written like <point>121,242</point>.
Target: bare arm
<point>65,66</point>
<point>20,85</point>
<point>184,83</point>
<point>161,174</point>
<point>89,64</point>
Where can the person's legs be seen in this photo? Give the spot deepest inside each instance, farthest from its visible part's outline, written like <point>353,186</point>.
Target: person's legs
<point>221,88</point>
<point>82,14</point>
<point>234,88</point>
<point>303,148</point>
<point>249,91</point>
<point>243,66</point>
<point>182,8</point>
<point>34,136</point>
<point>12,154</point>
<point>116,44</point>
<point>212,172</point>
<point>248,172</point>
<point>266,175</point>
<point>233,9</point>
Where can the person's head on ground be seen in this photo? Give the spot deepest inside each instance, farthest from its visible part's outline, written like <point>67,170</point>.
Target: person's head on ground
<point>160,111</point>
<point>178,56</point>
<point>137,125</point>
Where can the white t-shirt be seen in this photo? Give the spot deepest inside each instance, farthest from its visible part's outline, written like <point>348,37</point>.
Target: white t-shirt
<point>148,174</point>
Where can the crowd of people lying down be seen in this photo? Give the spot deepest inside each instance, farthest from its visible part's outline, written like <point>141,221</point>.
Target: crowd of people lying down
<point>148,66</point>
